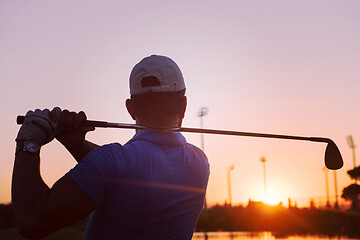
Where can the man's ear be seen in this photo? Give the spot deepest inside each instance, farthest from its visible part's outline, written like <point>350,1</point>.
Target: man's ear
<point>183,105</point>
<point>130,108</point>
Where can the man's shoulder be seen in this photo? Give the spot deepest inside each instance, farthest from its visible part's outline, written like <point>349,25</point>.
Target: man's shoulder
<point>109,146</point>
<point>106,150</point>
<point>197,150</point>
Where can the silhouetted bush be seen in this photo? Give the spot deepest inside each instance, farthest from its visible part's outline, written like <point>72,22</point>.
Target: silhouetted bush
<point>285,221</point>
<point>7,219</point>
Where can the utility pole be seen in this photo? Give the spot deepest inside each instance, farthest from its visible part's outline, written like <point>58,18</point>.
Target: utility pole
<point>336,191</point>
<point>327,187</point>
<point>263,160</point>
<point>203,112</point>
<point>229,169</point>
<point>352,146</point>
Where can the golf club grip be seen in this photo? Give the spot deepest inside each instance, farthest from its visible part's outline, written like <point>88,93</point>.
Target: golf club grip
<point>87,123</point>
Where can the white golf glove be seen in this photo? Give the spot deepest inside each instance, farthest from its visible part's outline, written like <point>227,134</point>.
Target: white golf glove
<point>38,126</point>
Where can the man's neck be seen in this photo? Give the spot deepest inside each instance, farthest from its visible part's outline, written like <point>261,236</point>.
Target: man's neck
<point>164,124</point>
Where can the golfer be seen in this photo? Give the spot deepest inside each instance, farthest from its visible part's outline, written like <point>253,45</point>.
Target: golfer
<point>153,187</point>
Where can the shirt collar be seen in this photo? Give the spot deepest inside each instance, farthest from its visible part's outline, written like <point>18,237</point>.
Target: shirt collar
<point>160,137</point>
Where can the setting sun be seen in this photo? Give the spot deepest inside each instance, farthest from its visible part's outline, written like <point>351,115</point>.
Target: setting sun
<point>273,196</point>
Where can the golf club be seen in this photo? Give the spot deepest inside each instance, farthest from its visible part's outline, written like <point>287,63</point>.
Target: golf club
<point>333,159</point>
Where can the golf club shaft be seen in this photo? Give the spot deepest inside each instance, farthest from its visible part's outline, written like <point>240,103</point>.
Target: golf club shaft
<point>333,158</point>
<point>104,124</point>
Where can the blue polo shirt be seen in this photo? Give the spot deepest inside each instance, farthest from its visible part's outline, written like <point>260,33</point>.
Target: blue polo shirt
<point>153,187</point>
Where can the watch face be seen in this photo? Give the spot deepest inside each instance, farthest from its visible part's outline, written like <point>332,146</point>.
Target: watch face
<point>32,147</point>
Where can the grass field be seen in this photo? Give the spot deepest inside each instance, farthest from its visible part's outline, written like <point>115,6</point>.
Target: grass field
<point>66,233</point>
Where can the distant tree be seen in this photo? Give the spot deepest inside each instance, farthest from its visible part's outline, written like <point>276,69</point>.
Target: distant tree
<point>312,204</point>
<point>354,173</point>
<point>352,193</point>
<point>289,203</point>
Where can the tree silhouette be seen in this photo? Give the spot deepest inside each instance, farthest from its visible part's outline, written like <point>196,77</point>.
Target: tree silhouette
<point>354,173</point>
<point>352,192</point>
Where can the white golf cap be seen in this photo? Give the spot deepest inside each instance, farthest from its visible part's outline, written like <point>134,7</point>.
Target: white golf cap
<point>156,74</point>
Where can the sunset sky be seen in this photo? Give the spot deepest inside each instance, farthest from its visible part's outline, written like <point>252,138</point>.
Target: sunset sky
<point>285,67</point>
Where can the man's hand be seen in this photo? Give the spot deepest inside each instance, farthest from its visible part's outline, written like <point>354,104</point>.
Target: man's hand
<point>39,127</point>
<point>71,133</point>
<point>71,130</point>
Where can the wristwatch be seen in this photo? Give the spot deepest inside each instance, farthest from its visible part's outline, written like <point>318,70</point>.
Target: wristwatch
<point>28,146</point>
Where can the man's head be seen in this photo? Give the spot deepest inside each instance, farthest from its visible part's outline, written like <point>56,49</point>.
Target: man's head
<point>157,91</point>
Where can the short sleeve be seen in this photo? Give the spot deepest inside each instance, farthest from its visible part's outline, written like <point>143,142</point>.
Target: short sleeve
<point>96,173</point>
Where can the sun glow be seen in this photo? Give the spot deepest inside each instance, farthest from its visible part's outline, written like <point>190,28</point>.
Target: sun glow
<point>273,196</point>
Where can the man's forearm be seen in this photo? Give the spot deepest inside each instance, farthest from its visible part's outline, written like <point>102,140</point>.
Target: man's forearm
<point>40,210</point>
<point>79,151</point>
<point>29,192</point>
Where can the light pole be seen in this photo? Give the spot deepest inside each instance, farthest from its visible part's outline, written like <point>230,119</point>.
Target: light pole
<point>336,191</point>
<point>203,112</point>
<point>327,187</point>
<point>229,169</point>
<point>352,146</point>
<point>263,160</point>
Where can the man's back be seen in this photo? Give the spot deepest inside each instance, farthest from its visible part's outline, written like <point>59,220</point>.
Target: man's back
<point>154,186</point>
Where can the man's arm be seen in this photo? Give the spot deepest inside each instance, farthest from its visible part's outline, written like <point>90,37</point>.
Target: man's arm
<point>40,210</point>
<point>80,150</point>
<point>72,134</point>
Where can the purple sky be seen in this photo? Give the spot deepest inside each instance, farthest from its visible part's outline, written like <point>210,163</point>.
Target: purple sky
<point>287,67</point>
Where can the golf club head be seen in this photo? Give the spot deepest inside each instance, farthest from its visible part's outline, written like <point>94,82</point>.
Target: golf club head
<point>333,159</point>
